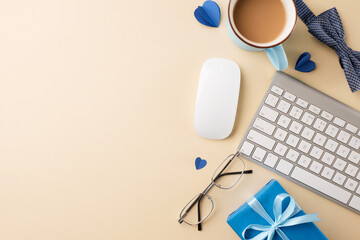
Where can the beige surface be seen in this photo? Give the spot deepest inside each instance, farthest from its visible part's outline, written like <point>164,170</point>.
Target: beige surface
<point>96,128</point>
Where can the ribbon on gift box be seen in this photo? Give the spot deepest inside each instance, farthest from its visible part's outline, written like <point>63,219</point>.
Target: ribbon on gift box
<point>282,218</point>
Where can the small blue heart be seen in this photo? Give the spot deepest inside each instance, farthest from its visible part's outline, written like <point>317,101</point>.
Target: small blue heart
<point>208,14</point>
<point>200,163</point>
<point>304,64</point>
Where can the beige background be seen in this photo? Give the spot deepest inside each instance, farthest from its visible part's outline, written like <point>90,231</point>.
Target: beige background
<point>96,130</point>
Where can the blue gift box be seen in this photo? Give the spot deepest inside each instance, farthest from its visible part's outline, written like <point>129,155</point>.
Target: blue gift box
<point>245,216</point>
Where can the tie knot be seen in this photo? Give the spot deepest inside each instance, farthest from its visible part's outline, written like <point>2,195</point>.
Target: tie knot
<point>342,49</point>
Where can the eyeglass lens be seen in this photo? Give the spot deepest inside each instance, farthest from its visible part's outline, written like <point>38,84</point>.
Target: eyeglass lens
<point>229,172</point>
<point>190,212</point>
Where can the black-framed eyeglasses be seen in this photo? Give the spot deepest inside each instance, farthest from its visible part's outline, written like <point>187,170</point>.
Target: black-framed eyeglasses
<point>226,176</point>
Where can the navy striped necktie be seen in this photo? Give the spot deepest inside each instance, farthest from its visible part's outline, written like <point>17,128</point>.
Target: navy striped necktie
<point>327,27</point>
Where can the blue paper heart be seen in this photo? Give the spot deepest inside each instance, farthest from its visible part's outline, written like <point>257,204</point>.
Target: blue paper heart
<point>304,64</point>
<point>200,163</point>
<point>208,14</point>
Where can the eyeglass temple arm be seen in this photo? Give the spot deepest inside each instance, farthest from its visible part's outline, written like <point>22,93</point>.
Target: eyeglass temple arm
<point>199,214</point>
<point>232,173</point>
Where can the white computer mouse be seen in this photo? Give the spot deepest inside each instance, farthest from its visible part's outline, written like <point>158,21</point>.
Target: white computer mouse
<point>217,98</point>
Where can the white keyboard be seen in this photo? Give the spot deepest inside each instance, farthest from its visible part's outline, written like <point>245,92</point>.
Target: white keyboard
<point>309,138</point>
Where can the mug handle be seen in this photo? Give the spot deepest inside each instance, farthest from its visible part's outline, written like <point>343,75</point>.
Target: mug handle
<point>277,57</point>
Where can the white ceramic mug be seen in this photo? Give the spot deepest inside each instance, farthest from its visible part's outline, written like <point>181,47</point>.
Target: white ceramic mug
<point>273,49</point>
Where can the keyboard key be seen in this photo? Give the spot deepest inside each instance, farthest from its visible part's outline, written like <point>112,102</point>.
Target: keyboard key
<point>316,152</point>
<point>351,170</point>
<point>331,130</point>
<point>302,103</point>
<point>358,176</point>
<point>321,185</point>
<point>271,160</point>
<point>308,118</point>
<point>277,90</point>
<point>327,116</point>
<point>304,161</point>
<point>283,106</point>
<point>307,133</point>
<point>339,122</point>
<point>319,124</point>
<point>316,167</point>
<point>284,121</point>
<point>351,128</point>
<point>292,140</point>
<point>314,109</point>
<point>259,154</point>
<point>354,157</point>
<point>271,100</point>
<point>295,127</point>
<point>354,143</point>
<point>331,145</point>
<point>264,126</point>
<point>319,139</point>
<point>292,155</point>
<point>261,139</point>
<point>350,184</point>
<point>339,164</point>
<point>355,203</point>
<point>280,149</point>
<point>343,151</point>
<point>284,167</point>
<point>339,178</point>
<point>328,158</point>
<point>327,173</point>
<point>247,148</point>
<point>304,146</point>
<point>280,134</point>
<point>343,136</point>
<point>295,112</point>
<point>289,96</point>
<point>268,113</point>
